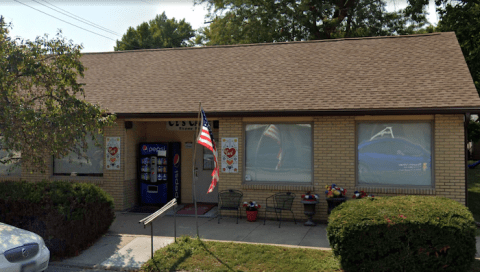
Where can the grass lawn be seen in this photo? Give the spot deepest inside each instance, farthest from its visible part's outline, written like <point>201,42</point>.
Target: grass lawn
<point>473,200</point>
<point>190,254</point>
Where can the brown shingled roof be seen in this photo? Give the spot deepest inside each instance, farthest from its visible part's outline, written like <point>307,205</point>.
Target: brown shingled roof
<point>388,73</point>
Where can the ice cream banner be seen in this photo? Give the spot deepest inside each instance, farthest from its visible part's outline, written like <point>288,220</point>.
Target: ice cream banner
<point>113,153</point>
<point>230,155</point>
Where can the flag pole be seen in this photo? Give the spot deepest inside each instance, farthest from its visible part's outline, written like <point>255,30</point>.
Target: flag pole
<point>194,176</point>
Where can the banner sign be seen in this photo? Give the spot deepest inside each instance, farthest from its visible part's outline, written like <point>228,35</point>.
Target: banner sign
<point>230,155</point>
<point>113,153</point>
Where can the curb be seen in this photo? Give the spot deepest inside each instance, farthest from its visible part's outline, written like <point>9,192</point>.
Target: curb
<point>96,266</point>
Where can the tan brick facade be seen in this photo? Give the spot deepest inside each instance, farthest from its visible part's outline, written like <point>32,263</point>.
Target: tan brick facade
<point>334,145</point>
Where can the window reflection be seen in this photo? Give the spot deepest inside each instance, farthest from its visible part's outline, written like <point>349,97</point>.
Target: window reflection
<point>394,153</point>
<point>278,153</point>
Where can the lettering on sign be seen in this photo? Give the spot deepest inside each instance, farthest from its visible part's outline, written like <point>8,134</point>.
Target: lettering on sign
<point>182,125</point>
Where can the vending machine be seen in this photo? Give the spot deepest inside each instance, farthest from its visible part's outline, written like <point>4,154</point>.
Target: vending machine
<point>159,173</point>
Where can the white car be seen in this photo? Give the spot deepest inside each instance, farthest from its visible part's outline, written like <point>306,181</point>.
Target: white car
<point>21,250</point>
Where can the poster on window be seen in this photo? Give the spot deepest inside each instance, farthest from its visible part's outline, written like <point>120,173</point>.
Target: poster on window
<point>113,153</point>
<point>230,155</point>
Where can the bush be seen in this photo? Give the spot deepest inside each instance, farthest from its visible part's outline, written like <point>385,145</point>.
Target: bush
<point>403,233</point>
<point>68,216</point>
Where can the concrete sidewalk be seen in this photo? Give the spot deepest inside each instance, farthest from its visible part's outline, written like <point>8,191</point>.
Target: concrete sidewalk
<point>127,245</point>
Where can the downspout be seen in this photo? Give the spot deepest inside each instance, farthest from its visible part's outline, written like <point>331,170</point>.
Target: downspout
<point>465,132</point>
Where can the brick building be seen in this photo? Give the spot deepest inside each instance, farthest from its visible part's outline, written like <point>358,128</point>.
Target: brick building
<point>385,115</point>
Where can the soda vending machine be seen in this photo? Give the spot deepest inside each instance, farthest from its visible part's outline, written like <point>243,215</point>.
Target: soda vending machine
<point>159,173</point>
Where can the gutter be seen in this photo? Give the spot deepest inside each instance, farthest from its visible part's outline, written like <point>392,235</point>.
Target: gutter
<point>342,112</point>
<point>467,120</point>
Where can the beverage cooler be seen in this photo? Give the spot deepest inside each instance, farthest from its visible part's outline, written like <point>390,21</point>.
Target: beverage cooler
<point>159,173</point>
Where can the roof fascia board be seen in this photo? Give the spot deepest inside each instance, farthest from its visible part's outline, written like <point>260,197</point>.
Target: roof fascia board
<point>472,110</point>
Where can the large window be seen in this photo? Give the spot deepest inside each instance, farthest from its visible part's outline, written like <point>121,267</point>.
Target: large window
<point>12,166</point>
<point>396,153</point>
<point>74,165</point>
<point>278,153</point>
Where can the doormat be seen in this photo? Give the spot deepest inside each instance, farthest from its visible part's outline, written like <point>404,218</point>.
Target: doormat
<point>201,209</point>
<point>144,209</point>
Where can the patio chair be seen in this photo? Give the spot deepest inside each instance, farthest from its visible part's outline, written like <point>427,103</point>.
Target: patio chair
<point>229,200</point>
<point>279,202</point>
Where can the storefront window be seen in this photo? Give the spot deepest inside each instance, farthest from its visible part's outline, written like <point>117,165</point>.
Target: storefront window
<point>74,165</point>
<point>278,153</point>
<point>394,153</point>
<point>9,161</point>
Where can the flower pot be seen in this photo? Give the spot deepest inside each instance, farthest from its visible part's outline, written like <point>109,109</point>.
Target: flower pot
<point>334,202</point>
<point>309,211</point>
<point>252,216</point>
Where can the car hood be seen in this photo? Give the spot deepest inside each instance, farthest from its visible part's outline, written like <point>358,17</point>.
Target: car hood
<point>11,237</point>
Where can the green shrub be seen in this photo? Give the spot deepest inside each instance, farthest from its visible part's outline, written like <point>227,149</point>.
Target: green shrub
<point>69,216</point>
<point>403,233</point>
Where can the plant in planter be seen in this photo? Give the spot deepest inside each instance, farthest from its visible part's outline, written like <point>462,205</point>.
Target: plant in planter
<point>335,196</point>
<point>309,200</point>
<point>252,210</point>
<point>334,191</point>
<point>361,194</point>
<point>310,197</point>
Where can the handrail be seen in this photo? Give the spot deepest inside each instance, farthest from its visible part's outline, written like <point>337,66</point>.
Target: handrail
<point>161,212</point>
<point>153,216</point>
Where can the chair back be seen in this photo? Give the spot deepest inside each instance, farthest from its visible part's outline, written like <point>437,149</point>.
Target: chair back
<point>229,199</point>
<point>284,201</point>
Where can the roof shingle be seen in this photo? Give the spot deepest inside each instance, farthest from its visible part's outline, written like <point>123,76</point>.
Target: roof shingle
<point>414,72</point>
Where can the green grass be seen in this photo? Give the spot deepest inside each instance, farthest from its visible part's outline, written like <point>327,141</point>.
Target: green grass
<point>473,201</point>
<point>191,254</point>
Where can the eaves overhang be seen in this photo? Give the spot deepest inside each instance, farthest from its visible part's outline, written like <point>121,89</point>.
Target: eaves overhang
<point>340,112</point>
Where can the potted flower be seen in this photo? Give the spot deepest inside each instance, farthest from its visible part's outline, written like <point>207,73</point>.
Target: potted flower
<point>309,201</point>
<point>310,197</point>
<point>361,194</point>
<point>252,210</point>
<point>335,196</point>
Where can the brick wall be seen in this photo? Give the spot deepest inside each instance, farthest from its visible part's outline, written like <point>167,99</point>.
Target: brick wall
<point>450,157</point>
<point>333,158</point>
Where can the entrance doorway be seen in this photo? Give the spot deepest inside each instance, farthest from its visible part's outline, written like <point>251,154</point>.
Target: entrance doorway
<point>204,165</point>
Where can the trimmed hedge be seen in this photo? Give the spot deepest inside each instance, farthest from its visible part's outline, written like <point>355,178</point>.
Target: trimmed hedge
<point>69,216</point>
<point>403,233</point>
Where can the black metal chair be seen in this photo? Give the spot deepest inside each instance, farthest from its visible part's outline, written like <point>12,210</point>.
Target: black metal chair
<point>229,200</point>
<point>279,202</point>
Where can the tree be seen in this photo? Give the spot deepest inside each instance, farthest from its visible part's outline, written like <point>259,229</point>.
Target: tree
<point>160,32</point>
<point>257,21</point>
<point>43,112</point>
<point>463,17</point>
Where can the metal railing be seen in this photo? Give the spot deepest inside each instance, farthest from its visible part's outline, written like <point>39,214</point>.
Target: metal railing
<point>160,213</point>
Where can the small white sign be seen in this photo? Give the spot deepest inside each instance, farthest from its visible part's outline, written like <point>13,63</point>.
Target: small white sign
<point>230,155</point>
<point>162,153</point>
<point>112,153</point>
<point>189,145</point>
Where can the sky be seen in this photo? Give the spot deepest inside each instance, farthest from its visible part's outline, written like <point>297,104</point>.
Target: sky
<point>109,19</point>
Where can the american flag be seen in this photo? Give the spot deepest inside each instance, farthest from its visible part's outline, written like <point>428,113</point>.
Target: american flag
<point>205,138</point>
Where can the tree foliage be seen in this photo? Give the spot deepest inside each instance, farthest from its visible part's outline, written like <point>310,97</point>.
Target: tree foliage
<point>258,21</point>
<point>463,17</point>
<point>43,112</point>
<point>160,32</point>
